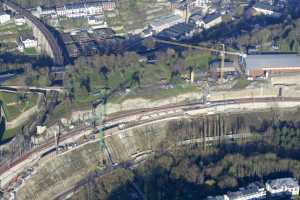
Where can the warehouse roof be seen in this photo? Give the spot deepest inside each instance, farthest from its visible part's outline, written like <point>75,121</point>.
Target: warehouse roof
<point>209,18</point>
<point>264,6</point>
<point>263,61</point>
<point>281,182</point>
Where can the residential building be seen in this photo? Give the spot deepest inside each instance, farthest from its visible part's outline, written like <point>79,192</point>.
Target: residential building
<point>164,22</point>
<point>251,192</point>
<point>262,65</point>
<point>25,41</point>
<point>43,10</point>
<point>283,185</point>
<point>210,20</point>
<point>97,20</point>
<point>201,3</point>
<point>20,20</point>
<point>108,5</point>
<point>81,9</point>
<point>93,8</point>
<point>4,17</point>
<point>61,11</point>
<point>74,10</point>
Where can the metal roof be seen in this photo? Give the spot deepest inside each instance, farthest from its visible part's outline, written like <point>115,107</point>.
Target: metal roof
<point>264,6</point>
<point>265,61</point>
<point>211,17</point>
<point>288,182</point>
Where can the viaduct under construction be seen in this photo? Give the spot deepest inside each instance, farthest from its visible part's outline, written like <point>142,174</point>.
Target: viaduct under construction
<point>47,42</point>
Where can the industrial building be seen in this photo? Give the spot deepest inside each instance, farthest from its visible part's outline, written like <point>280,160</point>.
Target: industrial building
<point>178,32</point>
<point>164,22</point>
<point>211,20</point>
<point>262,65</point>
<point>252,191</point>
<point>265,9</point>
<point>283,185</point>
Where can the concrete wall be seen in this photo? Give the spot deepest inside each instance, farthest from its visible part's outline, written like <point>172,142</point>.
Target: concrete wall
<point>245,93</point>
<point>288,79</point>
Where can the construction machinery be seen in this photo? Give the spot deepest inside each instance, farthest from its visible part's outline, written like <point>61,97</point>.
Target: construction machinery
<point>100,115</point>
<point>222,52</point>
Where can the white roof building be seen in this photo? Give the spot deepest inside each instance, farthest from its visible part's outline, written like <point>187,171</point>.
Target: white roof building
<point>210,21</point>
<point>265,9</point>
<point>27,41</point>
<point>283,185</point>
<point>4,17</point>
<point>164,22</point>
<point>19,20</point>
<point>251,192</point>
<point>82,9</point>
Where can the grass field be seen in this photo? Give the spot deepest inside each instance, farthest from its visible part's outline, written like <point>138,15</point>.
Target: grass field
<point>30,51</point>
<point>241,83</point>
<point>13,106</point>
<point>10,133</point>
<point>73,23</point>
<point>134,14</point>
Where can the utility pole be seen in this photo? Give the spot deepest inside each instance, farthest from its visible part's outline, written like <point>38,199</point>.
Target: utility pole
<point>101,119</point>
<point>55,141</point>
<point>187,5</point>
<point>222,54</point>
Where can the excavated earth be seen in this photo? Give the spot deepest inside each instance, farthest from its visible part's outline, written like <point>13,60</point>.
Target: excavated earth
<point>56,174</point>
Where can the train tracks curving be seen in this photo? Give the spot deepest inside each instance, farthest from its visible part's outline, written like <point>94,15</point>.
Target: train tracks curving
<point>125,114</point>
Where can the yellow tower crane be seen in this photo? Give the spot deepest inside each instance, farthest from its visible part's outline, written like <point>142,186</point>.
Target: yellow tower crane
<point>221,52</point>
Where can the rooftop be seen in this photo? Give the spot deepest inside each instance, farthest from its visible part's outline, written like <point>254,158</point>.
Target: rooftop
<point>216,198</point>
<point>211,17</point>
<point>264,6</point>
<point>288,182</point>
<point>165,20</point>
<point>263,61</point>
<point>26,36</point>
<point>250,190</point>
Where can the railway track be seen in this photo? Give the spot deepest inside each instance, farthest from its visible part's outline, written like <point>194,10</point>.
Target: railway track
<point>125,114</point>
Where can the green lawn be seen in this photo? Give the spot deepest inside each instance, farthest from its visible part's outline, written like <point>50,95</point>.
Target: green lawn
<point>13,107</point>
<point>134,14</point>
<point>30,51</point>
<point>241,83</point>
<point>73,23</point>
<point>10,133</point>
<point>161,93</point>
<point>12,27</point>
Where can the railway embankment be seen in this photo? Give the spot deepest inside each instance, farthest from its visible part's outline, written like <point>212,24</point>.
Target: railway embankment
<point>54,174</point>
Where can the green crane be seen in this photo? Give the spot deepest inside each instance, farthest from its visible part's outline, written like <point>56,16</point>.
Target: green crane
<point>100,116</point>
